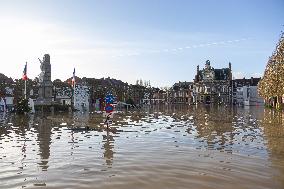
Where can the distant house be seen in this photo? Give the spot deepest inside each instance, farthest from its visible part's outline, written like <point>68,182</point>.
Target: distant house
<point>245,92</point>
<point>9,98</point>
<point>2,104</point>
<point>212,85</point>
<point>182,93</point>
<point>63,95</point>
<point>158,96</point>
<point>146,98</point>
<point>251,97</point>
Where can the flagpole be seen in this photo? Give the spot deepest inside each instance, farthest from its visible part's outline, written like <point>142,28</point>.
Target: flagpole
<point>74,89</point>
<point>25,78</point>
<point>74,99</point>
<point>25,89</point>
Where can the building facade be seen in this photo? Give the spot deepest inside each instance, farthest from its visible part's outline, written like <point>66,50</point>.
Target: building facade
<point>251,97</point>
<point>63,95</point>
<point>212,85</point>
<point>182,93</point>
<point>245,92</point>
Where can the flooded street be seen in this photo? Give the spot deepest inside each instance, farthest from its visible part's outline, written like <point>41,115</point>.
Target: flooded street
<point>161,147</point>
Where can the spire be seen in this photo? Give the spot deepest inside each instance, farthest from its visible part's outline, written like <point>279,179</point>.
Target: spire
<point>197,70</point>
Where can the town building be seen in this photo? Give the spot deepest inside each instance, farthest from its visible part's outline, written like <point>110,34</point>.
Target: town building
<point>212,85</point>
<point>63,95</point>
<point>2,104</point>
<point>245,92</point>
<point>251,97</point>
<point>9,98</point>
<point>158,96</point>
<point>182,93</point>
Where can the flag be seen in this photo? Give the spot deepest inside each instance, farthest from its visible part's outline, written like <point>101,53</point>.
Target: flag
<point>25,77</point>
<point>73,79</point>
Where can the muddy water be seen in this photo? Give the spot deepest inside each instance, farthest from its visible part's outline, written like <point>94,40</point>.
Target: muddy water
<point>162,147</point>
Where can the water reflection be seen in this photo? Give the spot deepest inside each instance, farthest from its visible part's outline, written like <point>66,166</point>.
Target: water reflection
<point>214,128</point>
<point>157,139</point>
<point>3,125</point>
<point>108,147</point>
<point>273,126</point>
<point>44,140</point>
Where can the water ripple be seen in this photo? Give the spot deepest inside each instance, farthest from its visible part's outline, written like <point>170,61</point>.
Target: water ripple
<point>161,147</point>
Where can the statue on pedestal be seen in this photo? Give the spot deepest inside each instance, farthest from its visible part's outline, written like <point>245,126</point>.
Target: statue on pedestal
<point>45,83</point>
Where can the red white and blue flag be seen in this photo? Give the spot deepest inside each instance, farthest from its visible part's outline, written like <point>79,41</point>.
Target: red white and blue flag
<point>25,76</point>
<point>73,79</point>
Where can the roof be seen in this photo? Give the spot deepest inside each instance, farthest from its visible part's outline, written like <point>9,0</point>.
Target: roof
<point>184,85</point>
<point>222,74</point>
<point>246,82</point>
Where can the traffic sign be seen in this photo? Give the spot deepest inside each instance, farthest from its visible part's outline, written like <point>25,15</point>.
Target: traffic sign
<point>109,99</point>
<point>109,108</point>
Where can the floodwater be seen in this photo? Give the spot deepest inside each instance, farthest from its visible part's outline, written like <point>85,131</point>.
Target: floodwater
<point>155,148</point>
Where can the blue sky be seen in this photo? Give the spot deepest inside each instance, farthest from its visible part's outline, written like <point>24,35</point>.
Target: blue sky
<point>158,40</point>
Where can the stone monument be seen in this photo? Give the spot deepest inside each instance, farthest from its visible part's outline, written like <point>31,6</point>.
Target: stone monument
<point>45,83</point>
